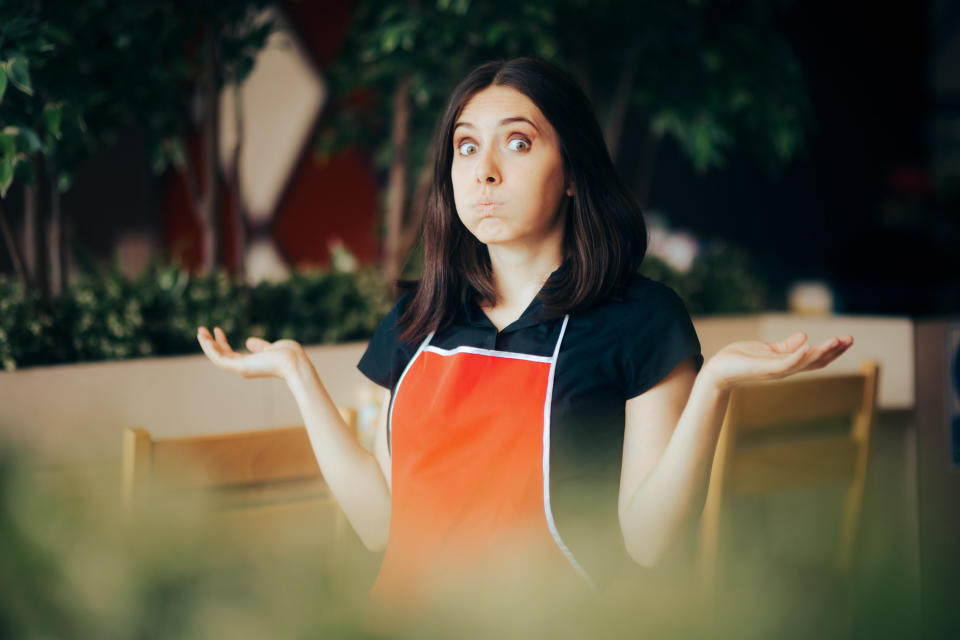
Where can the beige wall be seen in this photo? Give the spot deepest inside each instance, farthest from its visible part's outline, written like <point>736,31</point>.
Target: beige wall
<point>888,340</point>
<point>77,412</point>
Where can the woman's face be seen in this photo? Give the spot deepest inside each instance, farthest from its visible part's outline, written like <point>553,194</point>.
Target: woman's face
<point>507,172</point>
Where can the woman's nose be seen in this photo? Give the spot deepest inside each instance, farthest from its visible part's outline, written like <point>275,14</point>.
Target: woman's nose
<point>487,170</point>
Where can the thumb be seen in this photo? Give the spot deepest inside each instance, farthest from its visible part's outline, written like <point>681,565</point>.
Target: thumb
<point>256,344</point>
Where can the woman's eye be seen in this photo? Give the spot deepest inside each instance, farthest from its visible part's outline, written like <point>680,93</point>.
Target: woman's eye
<point>518,144</point>
<point>466,148</point>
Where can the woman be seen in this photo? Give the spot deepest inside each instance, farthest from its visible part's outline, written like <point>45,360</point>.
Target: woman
<point>540,396</point>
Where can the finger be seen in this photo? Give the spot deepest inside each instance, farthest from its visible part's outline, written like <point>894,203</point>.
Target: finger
<point>210,348</point>
<point>256,344</point>
<point>204,338</point>
<point>792,342</point>
<point>786,364</point>
<point>799,357</point>
<point>823,354</point>
<point>222,339</point>
<point>834,349</point>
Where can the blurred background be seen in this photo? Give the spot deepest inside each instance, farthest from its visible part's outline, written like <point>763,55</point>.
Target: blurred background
<point>262,167</point>
<point>818,141</point>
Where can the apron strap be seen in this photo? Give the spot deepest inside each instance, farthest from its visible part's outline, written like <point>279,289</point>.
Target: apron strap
<point>423,345</point>
<point>547,509</point>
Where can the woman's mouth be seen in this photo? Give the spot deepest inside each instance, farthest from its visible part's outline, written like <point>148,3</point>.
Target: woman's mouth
<point>487,207</point>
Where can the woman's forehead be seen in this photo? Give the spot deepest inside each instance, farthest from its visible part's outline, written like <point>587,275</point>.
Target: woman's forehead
<point>498,106</point>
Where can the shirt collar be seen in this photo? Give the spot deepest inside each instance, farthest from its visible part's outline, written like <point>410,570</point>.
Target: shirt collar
<point>475,316</point>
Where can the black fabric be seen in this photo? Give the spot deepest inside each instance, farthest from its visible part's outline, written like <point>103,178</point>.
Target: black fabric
<point>386,356</point>
<point>611,352</point>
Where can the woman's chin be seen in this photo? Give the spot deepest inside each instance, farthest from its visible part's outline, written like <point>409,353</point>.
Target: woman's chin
<point>491,231</point>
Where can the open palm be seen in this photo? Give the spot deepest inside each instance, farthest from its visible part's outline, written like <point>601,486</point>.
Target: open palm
<point>751,360</point>
<point>265,360</point>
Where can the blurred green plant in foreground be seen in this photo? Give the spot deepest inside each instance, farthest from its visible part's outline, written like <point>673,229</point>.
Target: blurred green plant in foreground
<point>77,565</point>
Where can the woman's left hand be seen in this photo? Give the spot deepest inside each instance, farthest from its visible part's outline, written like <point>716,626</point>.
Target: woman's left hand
<point>751,360</point>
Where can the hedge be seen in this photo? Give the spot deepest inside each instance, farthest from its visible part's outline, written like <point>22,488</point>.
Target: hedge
<point>105,316</point>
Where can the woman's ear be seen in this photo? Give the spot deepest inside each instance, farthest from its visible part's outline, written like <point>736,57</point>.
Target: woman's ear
<point>570,189</point>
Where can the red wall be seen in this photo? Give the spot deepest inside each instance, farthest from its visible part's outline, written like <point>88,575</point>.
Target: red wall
<point>323,201</point>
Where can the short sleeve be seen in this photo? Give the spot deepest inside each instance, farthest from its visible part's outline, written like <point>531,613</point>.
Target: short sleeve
<point>386,355</point>
<point>659,336</point>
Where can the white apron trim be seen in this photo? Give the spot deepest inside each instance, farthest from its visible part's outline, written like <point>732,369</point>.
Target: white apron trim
<point>547,509</point>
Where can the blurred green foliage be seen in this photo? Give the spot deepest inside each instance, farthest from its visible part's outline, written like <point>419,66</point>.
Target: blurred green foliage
<point>713,74</point>
<point>81,71</point>
<point>722,279</point>
<point>77,565</point>
<point>105,316</point>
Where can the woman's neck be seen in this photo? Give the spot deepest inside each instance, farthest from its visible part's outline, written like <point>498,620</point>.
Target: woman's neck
<point>519,274</point>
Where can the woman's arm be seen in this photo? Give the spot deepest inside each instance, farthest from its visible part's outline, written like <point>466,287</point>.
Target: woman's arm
<point>665,469</point>
<point>672,431</point>
<point>355,476</point>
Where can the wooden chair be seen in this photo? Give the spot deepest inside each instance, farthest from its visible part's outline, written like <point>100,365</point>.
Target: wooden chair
<point>259,481</point>
<point>794,434</point>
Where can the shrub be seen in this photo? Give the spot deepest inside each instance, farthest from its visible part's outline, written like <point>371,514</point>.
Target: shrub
<point>720,280</point>
<point>102,315</point>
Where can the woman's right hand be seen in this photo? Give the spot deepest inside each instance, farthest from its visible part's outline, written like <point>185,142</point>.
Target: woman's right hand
<point>265,360</point>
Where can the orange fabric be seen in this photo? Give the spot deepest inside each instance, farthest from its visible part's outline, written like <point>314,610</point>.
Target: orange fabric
<point>467,449</point>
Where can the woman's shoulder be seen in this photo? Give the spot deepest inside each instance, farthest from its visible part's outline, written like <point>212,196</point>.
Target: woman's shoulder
<point>641,295</point>
<point>386,354</point>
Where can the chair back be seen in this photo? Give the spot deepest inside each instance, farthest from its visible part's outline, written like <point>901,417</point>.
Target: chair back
<point>261,482</point>
<point>785,435</point>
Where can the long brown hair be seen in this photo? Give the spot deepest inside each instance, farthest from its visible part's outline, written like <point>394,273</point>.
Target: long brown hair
<point>605,238</point>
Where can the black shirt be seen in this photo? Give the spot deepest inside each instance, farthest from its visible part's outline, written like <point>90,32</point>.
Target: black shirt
<point>611,352</point>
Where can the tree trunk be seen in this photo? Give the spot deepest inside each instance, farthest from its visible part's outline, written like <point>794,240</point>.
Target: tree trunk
<point>55,245</point>
<point>418,205</point>
<point>643,176</point>
<point>14,251</point>
<point>34,234</point>
<point>581,68</point>
<point>210,201</point>
<point>397,184</point>
<point>613,131</point>
<point>30,223</point>
<point>240,211</point>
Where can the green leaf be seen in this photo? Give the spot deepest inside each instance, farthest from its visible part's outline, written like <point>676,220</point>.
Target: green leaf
<point>390,39</point>
<point>785,142</point>
<point>64,182</point>
<point>28,140</point>
<point>6,174</point>
<point>3,82</point>
<point>17,68</point>
<point>52,115</point>
<point>8,146</point>
<point>495,34</point>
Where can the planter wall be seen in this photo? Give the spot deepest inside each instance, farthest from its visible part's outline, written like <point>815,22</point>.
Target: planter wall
<point>76,412</point>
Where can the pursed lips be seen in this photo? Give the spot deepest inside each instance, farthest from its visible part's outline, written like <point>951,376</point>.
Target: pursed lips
<point>487,206</point>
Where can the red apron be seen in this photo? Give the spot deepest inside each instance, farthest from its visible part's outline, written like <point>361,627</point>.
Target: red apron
<point>470,436</point>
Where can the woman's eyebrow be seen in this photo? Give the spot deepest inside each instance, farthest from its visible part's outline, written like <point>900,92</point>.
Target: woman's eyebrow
<point>510,120</point>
